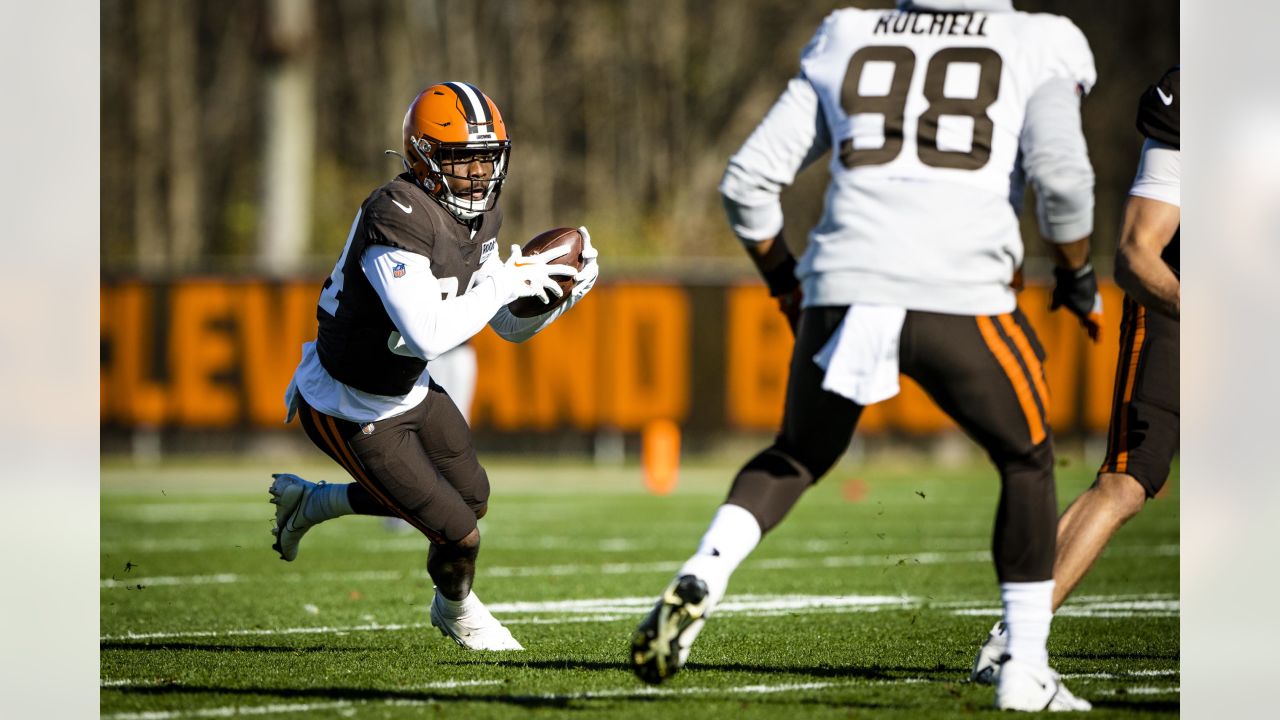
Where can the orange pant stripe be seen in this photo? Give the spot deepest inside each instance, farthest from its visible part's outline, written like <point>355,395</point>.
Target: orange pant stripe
<point>1120,415</point>
<point>1034,368</point>
<point>1022,388</point>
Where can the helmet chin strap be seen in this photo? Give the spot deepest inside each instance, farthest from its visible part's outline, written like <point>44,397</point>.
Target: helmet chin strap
<point>956,5</point>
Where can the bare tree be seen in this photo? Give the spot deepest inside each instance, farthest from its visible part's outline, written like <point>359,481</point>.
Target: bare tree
<point>289,142</point>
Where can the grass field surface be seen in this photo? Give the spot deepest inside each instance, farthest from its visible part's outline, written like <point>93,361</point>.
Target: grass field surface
<point>868,601</point>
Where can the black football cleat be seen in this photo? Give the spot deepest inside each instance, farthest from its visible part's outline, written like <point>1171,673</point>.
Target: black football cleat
<point>661,643</point>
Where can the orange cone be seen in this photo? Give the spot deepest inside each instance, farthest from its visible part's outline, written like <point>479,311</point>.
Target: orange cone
<point>660,456</point>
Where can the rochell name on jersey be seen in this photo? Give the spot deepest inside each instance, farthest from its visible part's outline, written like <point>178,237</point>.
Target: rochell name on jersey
<point>915,23</point>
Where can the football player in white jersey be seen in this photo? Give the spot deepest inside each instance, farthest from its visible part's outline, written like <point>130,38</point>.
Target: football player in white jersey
<point>420,275</point>
<point>933,116</point>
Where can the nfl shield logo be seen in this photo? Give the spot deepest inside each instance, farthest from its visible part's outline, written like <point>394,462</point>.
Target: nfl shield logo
<point>398,270</point>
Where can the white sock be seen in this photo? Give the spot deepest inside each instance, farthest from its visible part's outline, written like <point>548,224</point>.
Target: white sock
<point>1028,610</point>
<point>327,502</point>
<point>732,535</point>
<point>458,608</point>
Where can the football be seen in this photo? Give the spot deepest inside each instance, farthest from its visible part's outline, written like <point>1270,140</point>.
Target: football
<point>531,306</point>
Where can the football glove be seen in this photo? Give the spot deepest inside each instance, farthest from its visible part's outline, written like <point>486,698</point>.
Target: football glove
<point>789,305</point>
<point>784,287</point>
<point>1077,291</point>
<point>532,275</point>
<point>586,277</point>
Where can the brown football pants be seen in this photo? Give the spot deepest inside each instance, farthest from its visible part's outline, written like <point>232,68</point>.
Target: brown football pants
<point>985,372</point>
<point>421,465</point>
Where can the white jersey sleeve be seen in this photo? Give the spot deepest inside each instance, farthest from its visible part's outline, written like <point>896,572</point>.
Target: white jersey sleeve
<point>790,138</point>
<point>925,113</point>
<point>1056,160</point>
<point>429,325</point>
<point>1159,173</point>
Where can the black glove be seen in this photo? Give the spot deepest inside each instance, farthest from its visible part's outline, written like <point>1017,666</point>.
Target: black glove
<point>1077,291</point>
<point>784,286</point>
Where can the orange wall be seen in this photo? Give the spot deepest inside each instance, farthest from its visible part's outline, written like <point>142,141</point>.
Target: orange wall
<point>208,353</point>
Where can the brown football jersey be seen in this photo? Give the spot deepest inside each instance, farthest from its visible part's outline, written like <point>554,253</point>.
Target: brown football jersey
<point>354,340</point>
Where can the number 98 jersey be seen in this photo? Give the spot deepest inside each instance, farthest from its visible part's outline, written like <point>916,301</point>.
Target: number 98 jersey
<point>925,114</point>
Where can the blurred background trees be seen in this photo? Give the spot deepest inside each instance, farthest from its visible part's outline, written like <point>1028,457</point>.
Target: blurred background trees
<point>241,136</point>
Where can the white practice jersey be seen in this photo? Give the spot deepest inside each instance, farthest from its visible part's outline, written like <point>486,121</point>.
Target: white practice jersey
<point>925,116</point>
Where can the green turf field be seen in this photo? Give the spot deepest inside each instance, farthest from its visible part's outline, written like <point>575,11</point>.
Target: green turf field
<point>868,601</point>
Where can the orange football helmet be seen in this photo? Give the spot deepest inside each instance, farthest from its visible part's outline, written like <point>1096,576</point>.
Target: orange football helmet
<point>448,127</point>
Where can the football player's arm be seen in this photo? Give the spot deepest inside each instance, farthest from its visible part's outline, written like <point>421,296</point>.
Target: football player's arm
<point>1152,216</point>
<point>1055,160</point>
<point>792,136</point>
<point>518,329</point>
<point>429,325</point>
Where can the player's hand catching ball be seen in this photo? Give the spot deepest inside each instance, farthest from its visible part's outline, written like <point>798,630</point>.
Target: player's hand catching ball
<point>586,277</point>
<point>533,276</point>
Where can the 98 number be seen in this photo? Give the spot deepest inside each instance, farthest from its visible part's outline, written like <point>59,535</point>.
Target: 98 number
<point>893,106</point>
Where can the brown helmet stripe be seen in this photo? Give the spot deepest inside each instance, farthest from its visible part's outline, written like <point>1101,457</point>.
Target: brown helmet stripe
<point>473,103</point>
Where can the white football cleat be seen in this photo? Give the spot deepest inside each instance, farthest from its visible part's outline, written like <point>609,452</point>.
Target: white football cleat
<point>992,654</point>
<point>1023,687</point>
<point>477,629</point>
<point>289,493</point>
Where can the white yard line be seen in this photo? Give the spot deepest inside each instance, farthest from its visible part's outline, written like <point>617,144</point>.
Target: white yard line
<point>1166,607</point>
<point>123,580</point>
<point>555,612</point>
<point>407,542</point>
<point>637,691</point>
<point>1121,675</point>
<point>608,693</point>
<point>868,560</point>
<point>231,711</point>
<point>1166,690</point>
<point>240,632</point>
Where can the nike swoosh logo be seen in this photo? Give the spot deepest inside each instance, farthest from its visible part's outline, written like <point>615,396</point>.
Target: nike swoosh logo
<point>406,208</point>
<point>1166,99</point>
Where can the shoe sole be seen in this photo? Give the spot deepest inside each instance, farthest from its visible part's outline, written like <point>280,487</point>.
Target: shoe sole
<point>655,645</point>
<point>985,674</point>
<point>278,489</point>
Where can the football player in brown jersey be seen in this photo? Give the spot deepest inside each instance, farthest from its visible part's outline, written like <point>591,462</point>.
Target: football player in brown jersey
<point>419,275</point>
<point>1143,437</point>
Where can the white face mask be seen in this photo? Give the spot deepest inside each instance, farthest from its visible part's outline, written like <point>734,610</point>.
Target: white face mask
<point>956,5</point>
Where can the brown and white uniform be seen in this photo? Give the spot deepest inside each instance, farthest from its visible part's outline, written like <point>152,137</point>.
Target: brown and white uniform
<point>1143,436</point>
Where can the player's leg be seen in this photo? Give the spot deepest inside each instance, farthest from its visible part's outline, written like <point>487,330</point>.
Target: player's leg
<point>1141,442</point>
<point>442,434</point>
<point>986,373</point>
<point>816,429</point>
<point>1088,524</point>
<point>302,504</point>
<point>455,372</point>
<point>446,439</point>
